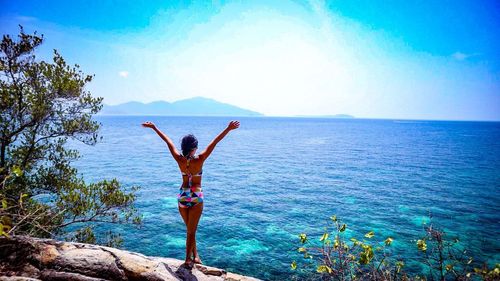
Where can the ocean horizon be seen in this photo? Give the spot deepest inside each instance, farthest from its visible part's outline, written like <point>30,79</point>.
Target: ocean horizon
<point>301,116</point>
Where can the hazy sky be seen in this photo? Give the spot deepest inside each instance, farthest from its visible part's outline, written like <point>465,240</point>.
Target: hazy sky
<point>375,59</point>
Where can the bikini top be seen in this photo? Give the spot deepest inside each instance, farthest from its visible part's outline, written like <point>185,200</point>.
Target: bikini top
<point>190,175</point>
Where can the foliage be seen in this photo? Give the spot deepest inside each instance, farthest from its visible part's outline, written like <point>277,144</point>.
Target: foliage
<point>43,105</point>
<point>445,260</point>
<point>336,258</point>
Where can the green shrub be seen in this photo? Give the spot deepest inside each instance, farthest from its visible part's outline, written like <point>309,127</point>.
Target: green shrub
<point>334,257</point>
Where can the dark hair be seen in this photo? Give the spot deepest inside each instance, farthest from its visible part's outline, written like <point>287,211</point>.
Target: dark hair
<point>188,143</point>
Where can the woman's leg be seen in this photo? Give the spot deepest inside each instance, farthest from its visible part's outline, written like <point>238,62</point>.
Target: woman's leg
<point>194,215</point>
<point>184,214</point>
<point>197,258</point>
<point>185,217</point>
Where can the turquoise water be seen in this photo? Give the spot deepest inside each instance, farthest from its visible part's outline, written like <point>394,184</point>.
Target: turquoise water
<point>277,177</point>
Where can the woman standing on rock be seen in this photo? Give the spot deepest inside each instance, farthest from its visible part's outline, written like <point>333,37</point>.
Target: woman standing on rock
<point>190,197</point>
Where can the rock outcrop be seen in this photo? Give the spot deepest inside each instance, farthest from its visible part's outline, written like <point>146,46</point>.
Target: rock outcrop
<point>28,258</point>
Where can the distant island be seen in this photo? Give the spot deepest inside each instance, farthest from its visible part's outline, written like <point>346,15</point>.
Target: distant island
<point>197,106</point>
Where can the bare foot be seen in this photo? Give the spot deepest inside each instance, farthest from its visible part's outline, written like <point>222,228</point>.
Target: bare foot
<point>188,264</point>
<point>197,260</point>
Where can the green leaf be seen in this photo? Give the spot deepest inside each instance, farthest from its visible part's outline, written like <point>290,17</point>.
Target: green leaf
<point>334,218</point>
<point>17,171</point>
<point>366,256</point>
<point>21,197</point>
<point>4,204</point>
<point>6,220</point>
<point>293,265</point>
<point>324,269</point>
<point>6,227</point>
<point>336,243</point>
<point>303,238</point>
<point>388,241</point>
<point>356,242</point>
<point>422,246</point>
<point>301,249</point>
<point>343,227</point>
<point>369,234</point>
<point>2,232</point>
<point>324,236</point>
<point>399,265</point>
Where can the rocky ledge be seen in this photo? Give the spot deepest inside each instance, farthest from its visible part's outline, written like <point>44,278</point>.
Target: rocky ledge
<point>28,258</point>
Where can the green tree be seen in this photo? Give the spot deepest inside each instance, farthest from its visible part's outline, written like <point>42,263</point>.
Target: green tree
<point>43,105</point>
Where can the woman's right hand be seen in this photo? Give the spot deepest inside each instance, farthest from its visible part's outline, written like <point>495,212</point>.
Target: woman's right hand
<point>233,125</point>
<point>149,125</point>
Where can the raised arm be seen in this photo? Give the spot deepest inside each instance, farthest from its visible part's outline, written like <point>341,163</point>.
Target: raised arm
<point>165,138</point>
<point>231,126</point>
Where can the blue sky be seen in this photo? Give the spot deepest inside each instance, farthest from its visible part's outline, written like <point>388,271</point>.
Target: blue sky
<point>373,59</point>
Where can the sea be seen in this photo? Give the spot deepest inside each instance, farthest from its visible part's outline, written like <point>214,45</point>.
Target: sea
<point>275,178</point>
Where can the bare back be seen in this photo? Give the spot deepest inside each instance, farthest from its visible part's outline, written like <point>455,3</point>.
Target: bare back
<point>191,167</point>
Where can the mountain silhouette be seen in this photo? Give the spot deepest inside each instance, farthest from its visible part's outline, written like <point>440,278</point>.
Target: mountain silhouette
<point>197,106</point>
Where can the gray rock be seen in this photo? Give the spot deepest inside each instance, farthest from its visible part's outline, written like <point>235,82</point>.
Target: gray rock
<point>29,258</point>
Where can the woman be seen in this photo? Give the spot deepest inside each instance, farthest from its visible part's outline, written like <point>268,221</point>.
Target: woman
<point>190,197</point>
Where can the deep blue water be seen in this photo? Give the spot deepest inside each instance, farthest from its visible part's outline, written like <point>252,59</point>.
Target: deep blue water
<point>274,178</point>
